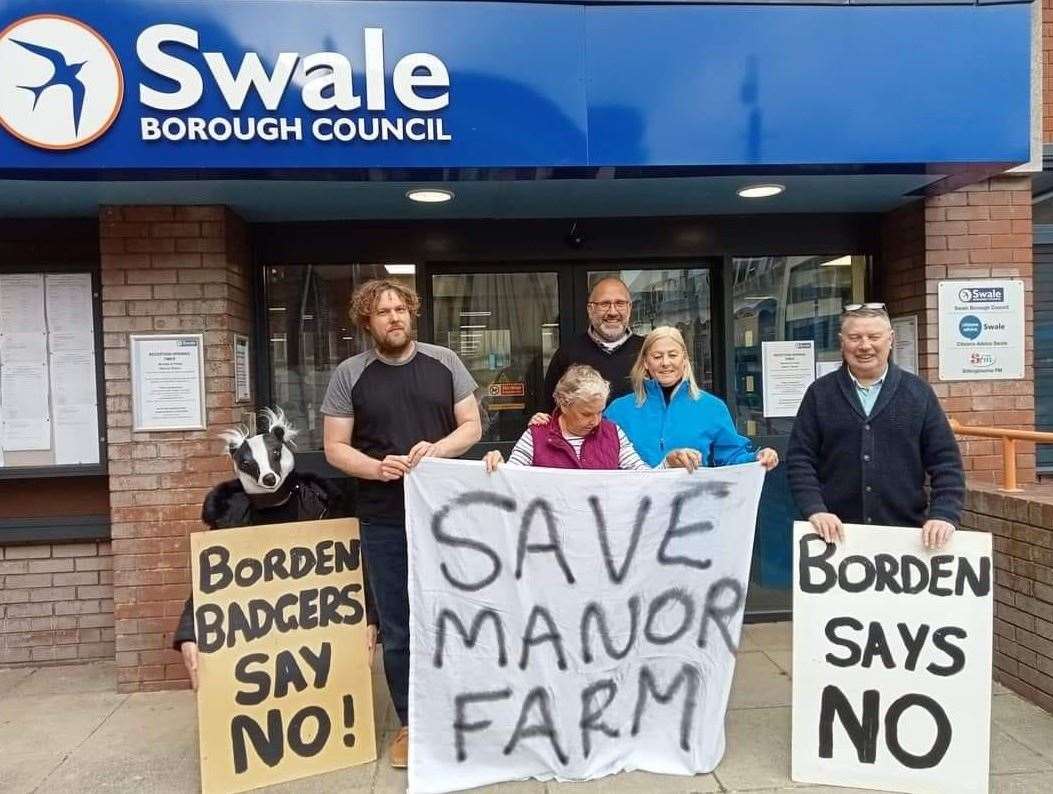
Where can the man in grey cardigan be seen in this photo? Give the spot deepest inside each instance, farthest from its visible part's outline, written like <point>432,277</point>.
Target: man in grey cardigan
<point>867,436</point>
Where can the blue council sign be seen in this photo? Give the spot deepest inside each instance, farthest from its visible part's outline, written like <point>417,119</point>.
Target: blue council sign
<point>320,85</point>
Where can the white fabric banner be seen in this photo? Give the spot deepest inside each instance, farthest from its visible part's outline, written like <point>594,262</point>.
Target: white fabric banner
<point>892,660</point>
<point>572,624</point>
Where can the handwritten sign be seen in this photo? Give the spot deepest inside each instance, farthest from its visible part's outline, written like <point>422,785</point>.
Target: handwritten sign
<point>572,624</point>
<point>280,621</point>
<point>892,660</point>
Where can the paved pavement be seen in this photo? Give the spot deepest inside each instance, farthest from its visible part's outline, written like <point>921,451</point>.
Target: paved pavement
<point>65,729</point>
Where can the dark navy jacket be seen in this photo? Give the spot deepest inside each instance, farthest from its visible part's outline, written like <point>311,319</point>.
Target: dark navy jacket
<point>872,470</point>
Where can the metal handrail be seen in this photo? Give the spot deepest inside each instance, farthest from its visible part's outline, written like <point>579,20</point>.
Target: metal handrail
<point>1009,438</point>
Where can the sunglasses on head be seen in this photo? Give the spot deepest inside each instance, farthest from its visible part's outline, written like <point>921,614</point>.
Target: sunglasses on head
<point>854,307</point>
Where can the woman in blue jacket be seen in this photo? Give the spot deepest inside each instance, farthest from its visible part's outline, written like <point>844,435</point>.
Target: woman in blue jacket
<point>667,411</point>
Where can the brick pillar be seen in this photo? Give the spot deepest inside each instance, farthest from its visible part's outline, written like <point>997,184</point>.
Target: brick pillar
<point>165,269</point>
<point>979,231</point>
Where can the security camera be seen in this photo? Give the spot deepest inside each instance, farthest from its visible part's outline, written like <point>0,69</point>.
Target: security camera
<point>574,238</point>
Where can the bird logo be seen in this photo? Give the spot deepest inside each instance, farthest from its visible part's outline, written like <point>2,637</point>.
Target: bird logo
<point>65,75</point>
<point>61,84</point>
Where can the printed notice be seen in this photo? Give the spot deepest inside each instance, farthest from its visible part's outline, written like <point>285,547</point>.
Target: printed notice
<point>167,382</point>
<point>76,434</point>
<point>71,342</point>
<point>24,391</point>
<point>789,369</point>
<point>241,369</point>
<point>69,303</point>
<point>23,348</point>
<point>73,379</point>
<point>981,330</point>
<point>21,302</point>
<point>905,345</point>
<point>24,397</point>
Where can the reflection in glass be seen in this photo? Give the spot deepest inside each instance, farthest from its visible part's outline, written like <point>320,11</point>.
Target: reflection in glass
<point>780,298</point>
<point>505,328</point>
<point>310,334</point>
<point>672,297</point>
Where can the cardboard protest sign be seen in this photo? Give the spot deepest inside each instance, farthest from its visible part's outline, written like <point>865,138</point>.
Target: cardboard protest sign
<point>572,624</point>
<point>892,660</point>
<point>280,619</point>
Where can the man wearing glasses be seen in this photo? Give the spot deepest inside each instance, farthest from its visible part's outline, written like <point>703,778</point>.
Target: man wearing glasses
<point>866,438</point>
<point>608,346</point>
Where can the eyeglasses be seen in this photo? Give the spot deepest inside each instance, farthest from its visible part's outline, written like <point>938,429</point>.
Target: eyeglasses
<point>608,305</point>
<point>854,307</point>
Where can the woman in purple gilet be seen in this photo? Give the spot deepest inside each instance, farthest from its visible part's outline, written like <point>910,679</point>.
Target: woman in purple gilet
<point>577,436</point>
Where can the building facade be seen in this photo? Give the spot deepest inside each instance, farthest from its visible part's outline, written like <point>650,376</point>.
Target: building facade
<point>224,174</point>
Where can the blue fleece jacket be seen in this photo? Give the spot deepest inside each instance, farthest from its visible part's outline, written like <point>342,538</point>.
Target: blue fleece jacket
<point>656,429</point>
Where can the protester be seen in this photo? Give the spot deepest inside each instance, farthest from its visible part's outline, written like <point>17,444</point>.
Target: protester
<point>385,410</point>
<point>267,490</point>
<point>668,411</point>
<point>608,346</point>
<point>865,438</point>
<point>577,436</point>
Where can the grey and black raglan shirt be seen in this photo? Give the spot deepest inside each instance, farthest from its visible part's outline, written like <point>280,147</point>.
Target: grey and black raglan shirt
<point>395,406</point>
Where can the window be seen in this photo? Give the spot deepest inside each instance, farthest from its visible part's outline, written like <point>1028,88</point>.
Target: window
<point>310,333</point>
<point>777,298</point>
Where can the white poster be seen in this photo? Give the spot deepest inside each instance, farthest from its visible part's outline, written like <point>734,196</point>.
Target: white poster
<point>788,371</point>
<point>981,330</point>
<point>572,624</point>
<point>71,342</point>
<point>905,346</point>
<point>241,369</point>
<point>826,367</point>
<point>76,434</point>
<point>21,302</point>
<point>23,348</point>
<point>24,391</point>
<point>168,383</point>
<point>69,303</point>
<point>73,379</point>
<point>892,661</point>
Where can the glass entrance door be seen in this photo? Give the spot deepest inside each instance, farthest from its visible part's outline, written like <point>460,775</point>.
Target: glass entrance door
<point>505,326</point>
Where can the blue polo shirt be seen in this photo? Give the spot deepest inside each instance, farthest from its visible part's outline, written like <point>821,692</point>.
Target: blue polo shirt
<point>868,394</point>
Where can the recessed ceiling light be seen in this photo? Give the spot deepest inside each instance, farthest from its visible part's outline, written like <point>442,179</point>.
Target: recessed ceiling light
<point>760,191</point>
<point>400,270</point>
<point>429,195</point>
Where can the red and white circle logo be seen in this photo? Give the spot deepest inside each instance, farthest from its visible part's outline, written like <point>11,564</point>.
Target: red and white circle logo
<point>61,85</point>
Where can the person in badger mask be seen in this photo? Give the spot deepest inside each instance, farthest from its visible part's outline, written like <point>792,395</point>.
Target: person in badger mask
<point>267,490</point>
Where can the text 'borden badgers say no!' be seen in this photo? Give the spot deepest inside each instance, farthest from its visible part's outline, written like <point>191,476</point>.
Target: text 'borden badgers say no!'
<point>572,624</point>
<point>280,620</point>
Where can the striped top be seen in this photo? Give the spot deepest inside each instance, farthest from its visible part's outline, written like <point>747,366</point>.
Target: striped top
<point>523,452</point>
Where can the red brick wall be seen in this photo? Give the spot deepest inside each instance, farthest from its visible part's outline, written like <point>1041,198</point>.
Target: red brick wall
<point>56,603</point>
<point>1022,530</point>
<point>980,231</point>
<point>1047,71</point>
<point>165,269</point>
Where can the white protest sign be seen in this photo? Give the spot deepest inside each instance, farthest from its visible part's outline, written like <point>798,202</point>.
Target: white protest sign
<point>892,660</point>
<point>572,624</point>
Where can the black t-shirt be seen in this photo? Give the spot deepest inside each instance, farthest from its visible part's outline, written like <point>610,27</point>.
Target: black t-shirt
<point>394,406</point>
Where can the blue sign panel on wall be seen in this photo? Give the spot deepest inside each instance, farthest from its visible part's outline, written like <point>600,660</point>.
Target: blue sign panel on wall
<point>215,86</point>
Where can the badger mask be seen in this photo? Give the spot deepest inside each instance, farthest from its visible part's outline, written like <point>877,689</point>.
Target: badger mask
<point>263,461</point>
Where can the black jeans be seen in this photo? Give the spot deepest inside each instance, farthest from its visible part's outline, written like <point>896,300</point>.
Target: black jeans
<point>384,547</point>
